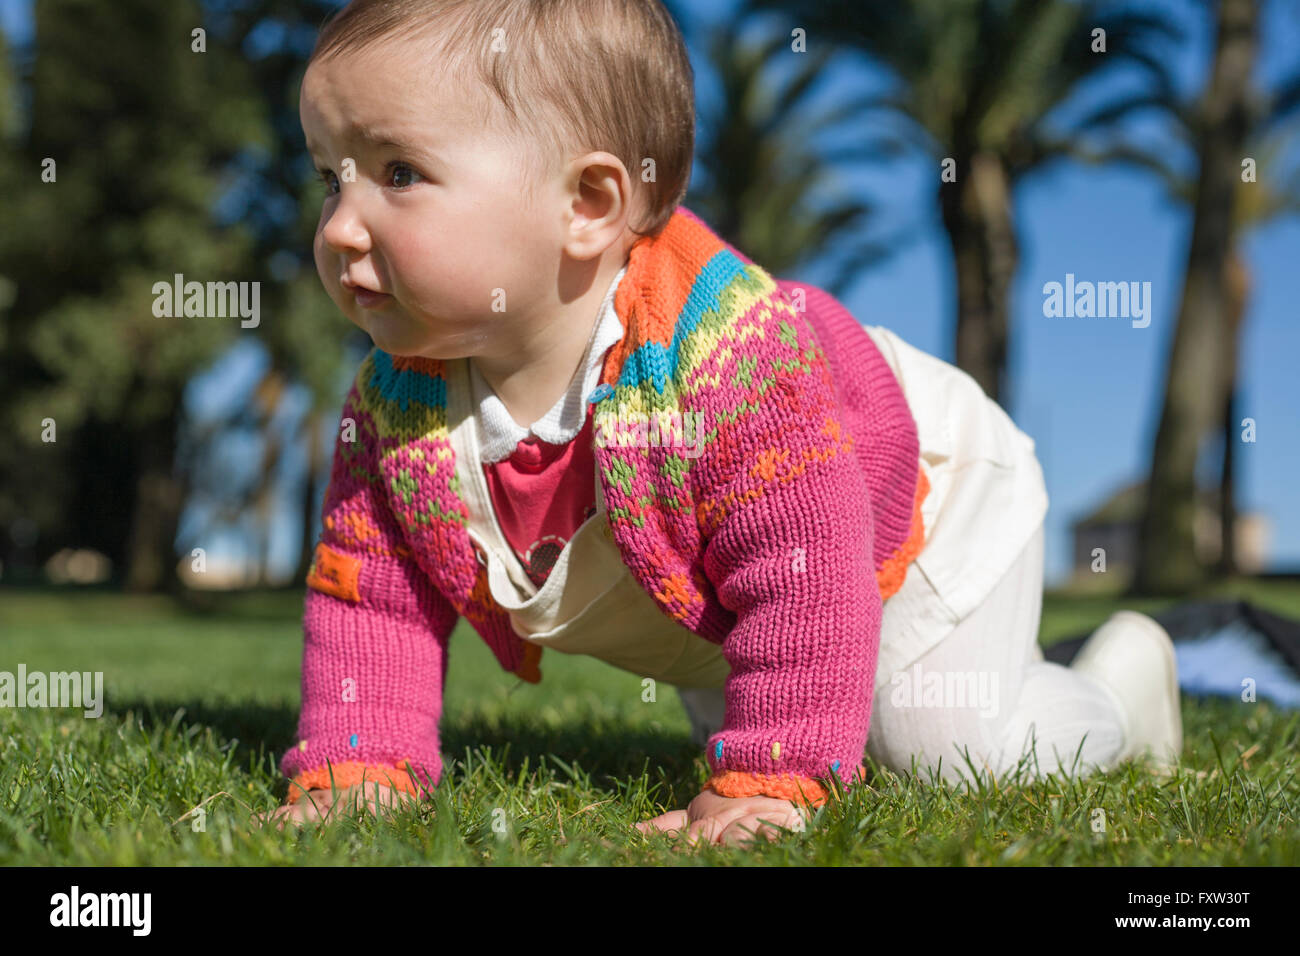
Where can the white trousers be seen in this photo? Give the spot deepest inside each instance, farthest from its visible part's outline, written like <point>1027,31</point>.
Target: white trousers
<point>983,692</point>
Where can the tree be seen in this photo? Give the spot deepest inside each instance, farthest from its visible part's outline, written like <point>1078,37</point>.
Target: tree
<point>1257,203</point>
<point>1197,378</point>
<point>1234,132</point>
<point>767,188</point>
<point>113,179</point>
<point>979,81</point>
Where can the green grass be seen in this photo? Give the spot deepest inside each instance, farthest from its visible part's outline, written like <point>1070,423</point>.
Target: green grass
<point>200,703</point>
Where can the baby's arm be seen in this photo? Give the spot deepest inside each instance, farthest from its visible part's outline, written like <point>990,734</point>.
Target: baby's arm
<point>372,682</point>
<point>789,520</point>
<point>375,641</point>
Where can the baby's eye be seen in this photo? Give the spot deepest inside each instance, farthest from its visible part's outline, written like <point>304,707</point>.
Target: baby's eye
<point>327,181</point>
<point>402,175</point>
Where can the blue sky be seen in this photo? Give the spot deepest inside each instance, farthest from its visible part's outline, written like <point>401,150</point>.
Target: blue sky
<point>1086,390</point>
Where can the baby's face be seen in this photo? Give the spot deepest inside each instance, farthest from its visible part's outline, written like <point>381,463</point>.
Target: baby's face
<point>431,215</point>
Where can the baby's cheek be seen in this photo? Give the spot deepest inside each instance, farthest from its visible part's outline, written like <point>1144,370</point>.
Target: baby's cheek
<point>446,281</point>
<point>427,261</point>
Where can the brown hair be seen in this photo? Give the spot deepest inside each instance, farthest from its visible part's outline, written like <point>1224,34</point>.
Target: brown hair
<point>609,75</point>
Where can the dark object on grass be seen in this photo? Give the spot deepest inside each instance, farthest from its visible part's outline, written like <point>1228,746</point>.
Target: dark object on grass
<point>1224,648</point>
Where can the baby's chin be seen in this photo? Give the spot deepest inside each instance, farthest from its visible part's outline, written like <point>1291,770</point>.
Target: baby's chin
<point>396,334</point>
<point>387,337</point>
<point>403,349</point>
<point>426,347</point>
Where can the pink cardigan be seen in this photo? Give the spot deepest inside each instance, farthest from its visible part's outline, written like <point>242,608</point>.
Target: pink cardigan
<point>778,542</point>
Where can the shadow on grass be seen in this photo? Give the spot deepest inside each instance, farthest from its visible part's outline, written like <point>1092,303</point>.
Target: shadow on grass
<point>610,752</point>
<point>264,606</point>
<point>259,727</point>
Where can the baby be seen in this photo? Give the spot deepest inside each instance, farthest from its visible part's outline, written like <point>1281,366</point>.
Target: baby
<point>727,483</point>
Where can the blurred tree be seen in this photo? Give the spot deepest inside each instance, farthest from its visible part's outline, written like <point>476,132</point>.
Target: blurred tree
<point>1197,375</point>
<point>9,105</point>
<point>980,82</point>
<point>1257,204</point>
<point>767,188</point>
<point>1229,123</point>
<point>140,127</point>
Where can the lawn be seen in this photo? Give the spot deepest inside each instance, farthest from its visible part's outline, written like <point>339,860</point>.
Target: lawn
<point>201,702</point>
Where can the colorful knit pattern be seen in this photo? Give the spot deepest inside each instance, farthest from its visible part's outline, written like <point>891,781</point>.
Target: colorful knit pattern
<point>778,542</point>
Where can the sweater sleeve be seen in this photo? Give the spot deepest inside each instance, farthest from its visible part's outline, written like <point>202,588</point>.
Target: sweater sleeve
<point>375,635</point>
<point>786,510</point>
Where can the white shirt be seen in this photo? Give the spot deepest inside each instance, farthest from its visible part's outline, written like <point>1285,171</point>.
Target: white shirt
<point>499,433</point>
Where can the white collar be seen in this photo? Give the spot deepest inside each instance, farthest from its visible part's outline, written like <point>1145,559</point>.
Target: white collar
<point>499,433</point>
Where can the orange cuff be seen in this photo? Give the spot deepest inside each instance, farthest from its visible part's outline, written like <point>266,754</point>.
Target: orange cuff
<point>528,669</point>
<point>787,786</point>
<point>349,774</point>
<point>892,573</point>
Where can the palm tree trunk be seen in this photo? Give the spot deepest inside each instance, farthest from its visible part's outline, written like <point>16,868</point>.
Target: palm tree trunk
<point>978,218</point>
<point>267,396</point>
<point>1196,379</point>
<point>264,513</point>
<point>1237,283</point>
<point>155,512</point>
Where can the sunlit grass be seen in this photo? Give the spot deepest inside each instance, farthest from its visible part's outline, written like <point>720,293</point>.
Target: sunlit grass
<point>200,704</point>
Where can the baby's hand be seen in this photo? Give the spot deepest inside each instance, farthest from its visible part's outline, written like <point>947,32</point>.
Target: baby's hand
<point>325,805</point>
<point>731,820</point>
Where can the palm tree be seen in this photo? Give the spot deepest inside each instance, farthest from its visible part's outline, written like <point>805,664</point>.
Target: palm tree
<point>767,188</point>
<point>1197,377</point>
<point>1268,199</point>
<point>980,81</point>
<point>1228,122</point>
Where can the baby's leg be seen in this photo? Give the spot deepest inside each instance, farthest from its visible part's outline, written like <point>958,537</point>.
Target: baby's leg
<point>986,689</point>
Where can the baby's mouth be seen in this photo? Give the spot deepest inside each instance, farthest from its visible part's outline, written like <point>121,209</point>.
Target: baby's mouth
<point>368,299</point>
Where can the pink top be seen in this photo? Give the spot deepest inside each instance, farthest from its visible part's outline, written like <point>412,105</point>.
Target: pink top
<point>541,495</point>
<point>779,541</point>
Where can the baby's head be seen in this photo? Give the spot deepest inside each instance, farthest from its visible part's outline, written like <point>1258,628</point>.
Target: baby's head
<point>486,161</point>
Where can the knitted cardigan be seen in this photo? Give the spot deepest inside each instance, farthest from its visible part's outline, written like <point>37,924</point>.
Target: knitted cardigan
<point>779,541</point>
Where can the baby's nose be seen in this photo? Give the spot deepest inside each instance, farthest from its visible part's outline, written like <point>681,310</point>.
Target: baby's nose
<point>344,230</point>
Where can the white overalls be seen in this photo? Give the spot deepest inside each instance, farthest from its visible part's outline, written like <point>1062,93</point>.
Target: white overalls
<point>969,605</point>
